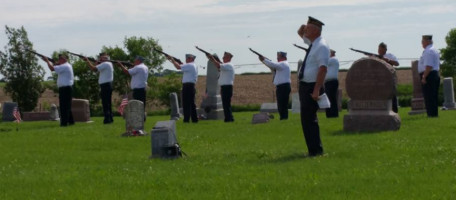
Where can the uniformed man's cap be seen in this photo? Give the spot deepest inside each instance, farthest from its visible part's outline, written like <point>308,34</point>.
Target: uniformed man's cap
<point>332,51</point>
<point>140,58</point>
<point>229,54</point>
<point>427,37</point>
<point>315,22</point>
<point>190,56</point>
<point>282,53</point>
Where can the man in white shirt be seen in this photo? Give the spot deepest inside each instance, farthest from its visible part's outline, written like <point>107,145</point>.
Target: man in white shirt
<point>281,81</point>
<point>311,77</point>
<point>139,74</point>
<point>428,68</point>
<point>105,80</point>
<point>65,80</point>
<point>332,85</point>
<point>225,81</point>
<point>392,60</point>
<point>188,86</point>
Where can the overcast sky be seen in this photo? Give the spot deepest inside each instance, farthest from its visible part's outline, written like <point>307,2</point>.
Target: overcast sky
<point>85,26</point>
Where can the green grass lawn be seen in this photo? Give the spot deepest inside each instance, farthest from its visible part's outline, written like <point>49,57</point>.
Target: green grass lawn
<point>230,161</point>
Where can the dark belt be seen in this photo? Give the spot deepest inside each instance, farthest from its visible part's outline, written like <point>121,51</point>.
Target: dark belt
<point>188,84</point>
<point>333,79</point>
<point>65,87</point>
<point>282,84</point>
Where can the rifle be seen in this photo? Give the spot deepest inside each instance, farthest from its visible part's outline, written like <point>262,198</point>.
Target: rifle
<point>366,53</point>
<point>305,49</point>
<point>176,59</point>
<point>40,55</point>
<point>126,63</point>
<point>258,54</point>
<point>82,57</point>
<point>207,53</point>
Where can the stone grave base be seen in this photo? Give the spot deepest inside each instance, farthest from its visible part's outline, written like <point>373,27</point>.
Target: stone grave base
<point>211,108</point>
<point>372,122</point>
<point>269,107</point>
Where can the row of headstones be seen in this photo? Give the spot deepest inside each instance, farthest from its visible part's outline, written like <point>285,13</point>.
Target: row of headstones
<point>80,109</point>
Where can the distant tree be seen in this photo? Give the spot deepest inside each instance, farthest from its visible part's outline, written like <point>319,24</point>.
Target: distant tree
<point>448,55</point>
<point>22,73</point>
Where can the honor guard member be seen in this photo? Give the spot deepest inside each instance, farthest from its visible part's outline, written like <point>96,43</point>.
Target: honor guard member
<point>65,79</point>
<point>188,86</point>
<point>281,81</point>
<point>428,68</point>
<point>225,81</point>
<point>105,79</point>
<point>332,85</point>
<point>139,74</point>
<point>311,78</point>
<point>392,60</point>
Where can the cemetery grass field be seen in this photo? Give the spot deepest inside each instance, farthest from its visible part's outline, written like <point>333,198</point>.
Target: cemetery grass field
<point>230,161</point>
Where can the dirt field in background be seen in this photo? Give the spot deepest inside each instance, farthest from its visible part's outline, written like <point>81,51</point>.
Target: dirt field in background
<point>248,89</point>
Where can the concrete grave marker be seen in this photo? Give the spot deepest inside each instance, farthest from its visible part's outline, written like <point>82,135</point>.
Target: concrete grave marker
<point>7,113</point>
<point>175,114</point>
<point>295,103</point>
<point>54,113</point>
<point>211,106</point>
<point>448,93</point>
<point>261,118</point>
<point>269,107</point>
<point>162,135</point>
<point>134,118</point>
<point>81,110</point>
<point>418,105</point>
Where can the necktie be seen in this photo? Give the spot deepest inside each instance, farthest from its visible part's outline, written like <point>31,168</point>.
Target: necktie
<point>301,71</point>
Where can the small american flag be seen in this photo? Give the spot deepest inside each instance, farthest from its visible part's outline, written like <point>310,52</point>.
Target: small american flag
<point>122,105</point>
<point>16,114</point>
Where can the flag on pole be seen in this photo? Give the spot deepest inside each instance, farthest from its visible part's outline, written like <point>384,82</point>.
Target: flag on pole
<point>122,105</point>
<point>17,115</point>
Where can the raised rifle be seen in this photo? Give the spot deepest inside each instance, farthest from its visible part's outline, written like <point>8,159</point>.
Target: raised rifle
<point>176,59</point>
<point>126,63</point>
<point>82,57</point>
<point>366,53</point>
<point>40,55</point>
<point>303,48</point>
<point>207,53</point>
<point>258,53</point>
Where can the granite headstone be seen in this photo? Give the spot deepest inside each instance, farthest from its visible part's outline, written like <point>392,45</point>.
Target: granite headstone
<point>162,135</point>
<point>134,118</point>
<point>81,110</point>
<point>211,106</point>
<point>448,94</point>
<point>7,113</point>
<point>417,105</point>
<point>269,107</point>
<point>295,103</point>
<point>175,114</point>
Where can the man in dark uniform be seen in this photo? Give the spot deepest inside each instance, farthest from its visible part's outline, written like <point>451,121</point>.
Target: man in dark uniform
<point>311,77</point>
<point>428,67</point>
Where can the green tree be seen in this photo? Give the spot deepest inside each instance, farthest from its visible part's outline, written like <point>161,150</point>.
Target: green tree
<point>448,55</point>
<point>22,73</point>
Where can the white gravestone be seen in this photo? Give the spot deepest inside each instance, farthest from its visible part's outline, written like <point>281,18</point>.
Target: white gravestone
<point>134,118</point>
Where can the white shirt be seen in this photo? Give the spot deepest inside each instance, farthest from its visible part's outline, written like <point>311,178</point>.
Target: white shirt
<point>65,74</point>
<point>317,56</point>
<point>430,57</point>
<point>190,73</point>
<point>106,72</point>
<point>333,69</point>
<point>226,74</point>
<point>391,57</point>
<point>282,68</point>
<point>139,74</point>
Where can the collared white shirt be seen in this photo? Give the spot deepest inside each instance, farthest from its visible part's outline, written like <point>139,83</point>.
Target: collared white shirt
<point>106,72</point>
<point>391,57</point>
<point>333,69</point>
<point>226,74</point>
<point>65,74</point>
<point>430,57</point>
<point>282,68</point>
<point>318,56</point>
<point>139,74</point>
<point>190,73</point>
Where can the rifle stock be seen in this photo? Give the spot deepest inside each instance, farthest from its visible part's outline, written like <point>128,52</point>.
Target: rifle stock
<point>82,57</point>
<point>207,53</point>
<point>366,53</point>
<point>176,59</point>
<point>41,55</point>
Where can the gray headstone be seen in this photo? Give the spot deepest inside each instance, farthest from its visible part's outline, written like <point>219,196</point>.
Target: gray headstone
<point>54,113</point>
<point>175,114</point>
<point>81,110</point>
<point>448,93</point>
<point>211,106</point>
<point>162,135</point>
<point>295,103</point>
<point>417,105</point>
<point>7,114</point>
<point>134,118</point>
<point>269,107</point>
<point>339,99</point>
<point>371,111</point>
<point>260,118</point>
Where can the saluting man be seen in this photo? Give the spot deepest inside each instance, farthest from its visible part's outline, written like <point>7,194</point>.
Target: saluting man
<point>105,80</point>
<point>281,81</point>
<point>225,81</point>
<point>65,80</point>
<point>332,85</point>
<point>429,67</point>
<point>392,60</point>
<point>188,86</point>
<point>311,77</point>
<point>139,74</point>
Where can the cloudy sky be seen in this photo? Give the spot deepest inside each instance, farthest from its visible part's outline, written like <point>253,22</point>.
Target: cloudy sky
<point>85,26</point>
